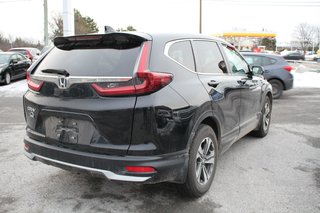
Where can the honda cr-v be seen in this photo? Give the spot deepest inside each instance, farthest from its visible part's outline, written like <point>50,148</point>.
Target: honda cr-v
<point>143,107</point>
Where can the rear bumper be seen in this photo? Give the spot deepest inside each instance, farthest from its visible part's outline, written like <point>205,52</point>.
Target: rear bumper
<point>289,82</point>
<point>169,167</point>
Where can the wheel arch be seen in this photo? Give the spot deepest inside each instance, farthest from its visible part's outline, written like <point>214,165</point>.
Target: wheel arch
<point>281,81</point>
<point>209,119</point>
<point>269,94</point>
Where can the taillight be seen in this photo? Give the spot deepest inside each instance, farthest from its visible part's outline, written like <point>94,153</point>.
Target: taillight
<point>288,68</point>
<point>34,85</point>
<point>28,55</point>
<point>140,169</point>
<point>104,90</point>
<point>145,82</point>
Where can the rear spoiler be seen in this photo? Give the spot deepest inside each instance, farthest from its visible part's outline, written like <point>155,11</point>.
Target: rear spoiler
<point>114,40</point>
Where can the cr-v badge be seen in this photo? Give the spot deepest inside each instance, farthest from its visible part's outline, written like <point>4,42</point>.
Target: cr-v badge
<point>31,111</point>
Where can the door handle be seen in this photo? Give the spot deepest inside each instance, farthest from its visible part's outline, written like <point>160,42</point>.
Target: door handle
<point>242,81</point>
<point>213,83</point>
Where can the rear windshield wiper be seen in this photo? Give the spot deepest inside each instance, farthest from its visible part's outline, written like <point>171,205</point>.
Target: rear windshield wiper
<point>56,71</point>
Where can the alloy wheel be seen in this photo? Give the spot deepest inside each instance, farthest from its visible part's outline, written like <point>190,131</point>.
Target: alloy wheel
<point>205,161</point>
<point>7,78</point>
<point>266,116</point>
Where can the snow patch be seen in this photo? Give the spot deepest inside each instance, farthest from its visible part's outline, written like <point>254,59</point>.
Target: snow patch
<point>306,79</point>
<point>15,89</point>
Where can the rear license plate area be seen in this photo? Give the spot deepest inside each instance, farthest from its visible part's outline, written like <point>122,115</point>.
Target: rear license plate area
<point>69,130</point>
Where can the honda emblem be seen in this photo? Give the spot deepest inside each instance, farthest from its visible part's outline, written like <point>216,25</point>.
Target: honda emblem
<point>62,82</point>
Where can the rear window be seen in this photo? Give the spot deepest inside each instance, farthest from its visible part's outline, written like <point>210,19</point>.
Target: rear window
<point>182,53</point>
<point>259,60</point>
<point>23,52</point>
<point>92,62</point>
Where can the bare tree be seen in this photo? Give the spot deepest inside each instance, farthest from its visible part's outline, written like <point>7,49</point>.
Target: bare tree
<point>317,36</point>
<point>304,34</point>
<point>4,43</point>
<point>82,24</point>
<point>57,26</point>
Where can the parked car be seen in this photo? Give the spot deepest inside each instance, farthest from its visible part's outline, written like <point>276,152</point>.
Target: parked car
<point>29,52</point>
<point>276,71</point>
<point>143,107</point>
<point>311,56</point>
<point>294,56</point>
<point>13,66</point>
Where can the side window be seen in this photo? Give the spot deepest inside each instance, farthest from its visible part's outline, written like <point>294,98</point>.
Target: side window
<point>253,60</point>
<point>208,57</point>
<point>181,52</point>
<point>14,57</point>
<point>19,57</point>
<point>236,63</point>
<point>268,61</point>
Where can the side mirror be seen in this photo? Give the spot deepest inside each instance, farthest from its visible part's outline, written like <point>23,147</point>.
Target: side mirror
<point>257,70</point>
<point>222,66</point>
<point>13,61</point>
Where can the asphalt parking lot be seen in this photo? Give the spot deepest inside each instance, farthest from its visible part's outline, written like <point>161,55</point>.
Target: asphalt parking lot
<point>279,173</point>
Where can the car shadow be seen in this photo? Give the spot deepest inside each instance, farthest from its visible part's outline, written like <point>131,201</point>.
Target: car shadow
<point>86,191</point>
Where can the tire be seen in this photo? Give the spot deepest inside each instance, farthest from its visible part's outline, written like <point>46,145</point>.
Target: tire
<point>7,78</point>
<point>202,162</point>
<point>265,120</point>
<point>277,88</point>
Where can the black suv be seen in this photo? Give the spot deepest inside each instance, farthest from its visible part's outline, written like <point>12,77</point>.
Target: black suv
<point>143,107</point>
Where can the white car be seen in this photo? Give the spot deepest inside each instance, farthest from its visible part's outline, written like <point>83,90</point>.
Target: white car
<point>313,57</point>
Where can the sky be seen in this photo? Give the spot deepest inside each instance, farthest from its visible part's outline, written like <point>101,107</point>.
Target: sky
<point>24,18</point>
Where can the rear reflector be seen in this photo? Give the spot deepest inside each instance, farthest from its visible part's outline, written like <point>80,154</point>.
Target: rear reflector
<point>140,169</point>
<point>288,68</point>
<point>34,85</point>
<point>145,82</point>
<point>26,146</point>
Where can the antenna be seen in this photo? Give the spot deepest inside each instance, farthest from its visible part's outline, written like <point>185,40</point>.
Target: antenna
<point>108,29</point>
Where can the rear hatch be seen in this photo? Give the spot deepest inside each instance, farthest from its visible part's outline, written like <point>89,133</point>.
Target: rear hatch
<point>83,93</point>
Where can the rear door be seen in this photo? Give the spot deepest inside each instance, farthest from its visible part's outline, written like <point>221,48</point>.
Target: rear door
<point>222,87</point>
<point>21,66</point>
<point>14,66</point>
<point>76,99</point>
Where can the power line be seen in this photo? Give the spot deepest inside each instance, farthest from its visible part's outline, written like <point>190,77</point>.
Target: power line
<point>12,1</point>
<point>263,1</point>
<point>270,3</point>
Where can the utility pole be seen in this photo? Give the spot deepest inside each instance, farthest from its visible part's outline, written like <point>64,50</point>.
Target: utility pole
<point>68,18</point>
<point>200,17</point>
<point>45,10</point>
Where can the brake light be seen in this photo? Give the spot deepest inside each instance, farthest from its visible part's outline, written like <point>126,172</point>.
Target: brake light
<point>288,68</point>
<point>145,82</point>
<point>140,169</point>
<point>34,85</point>
<point>29,55</point>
